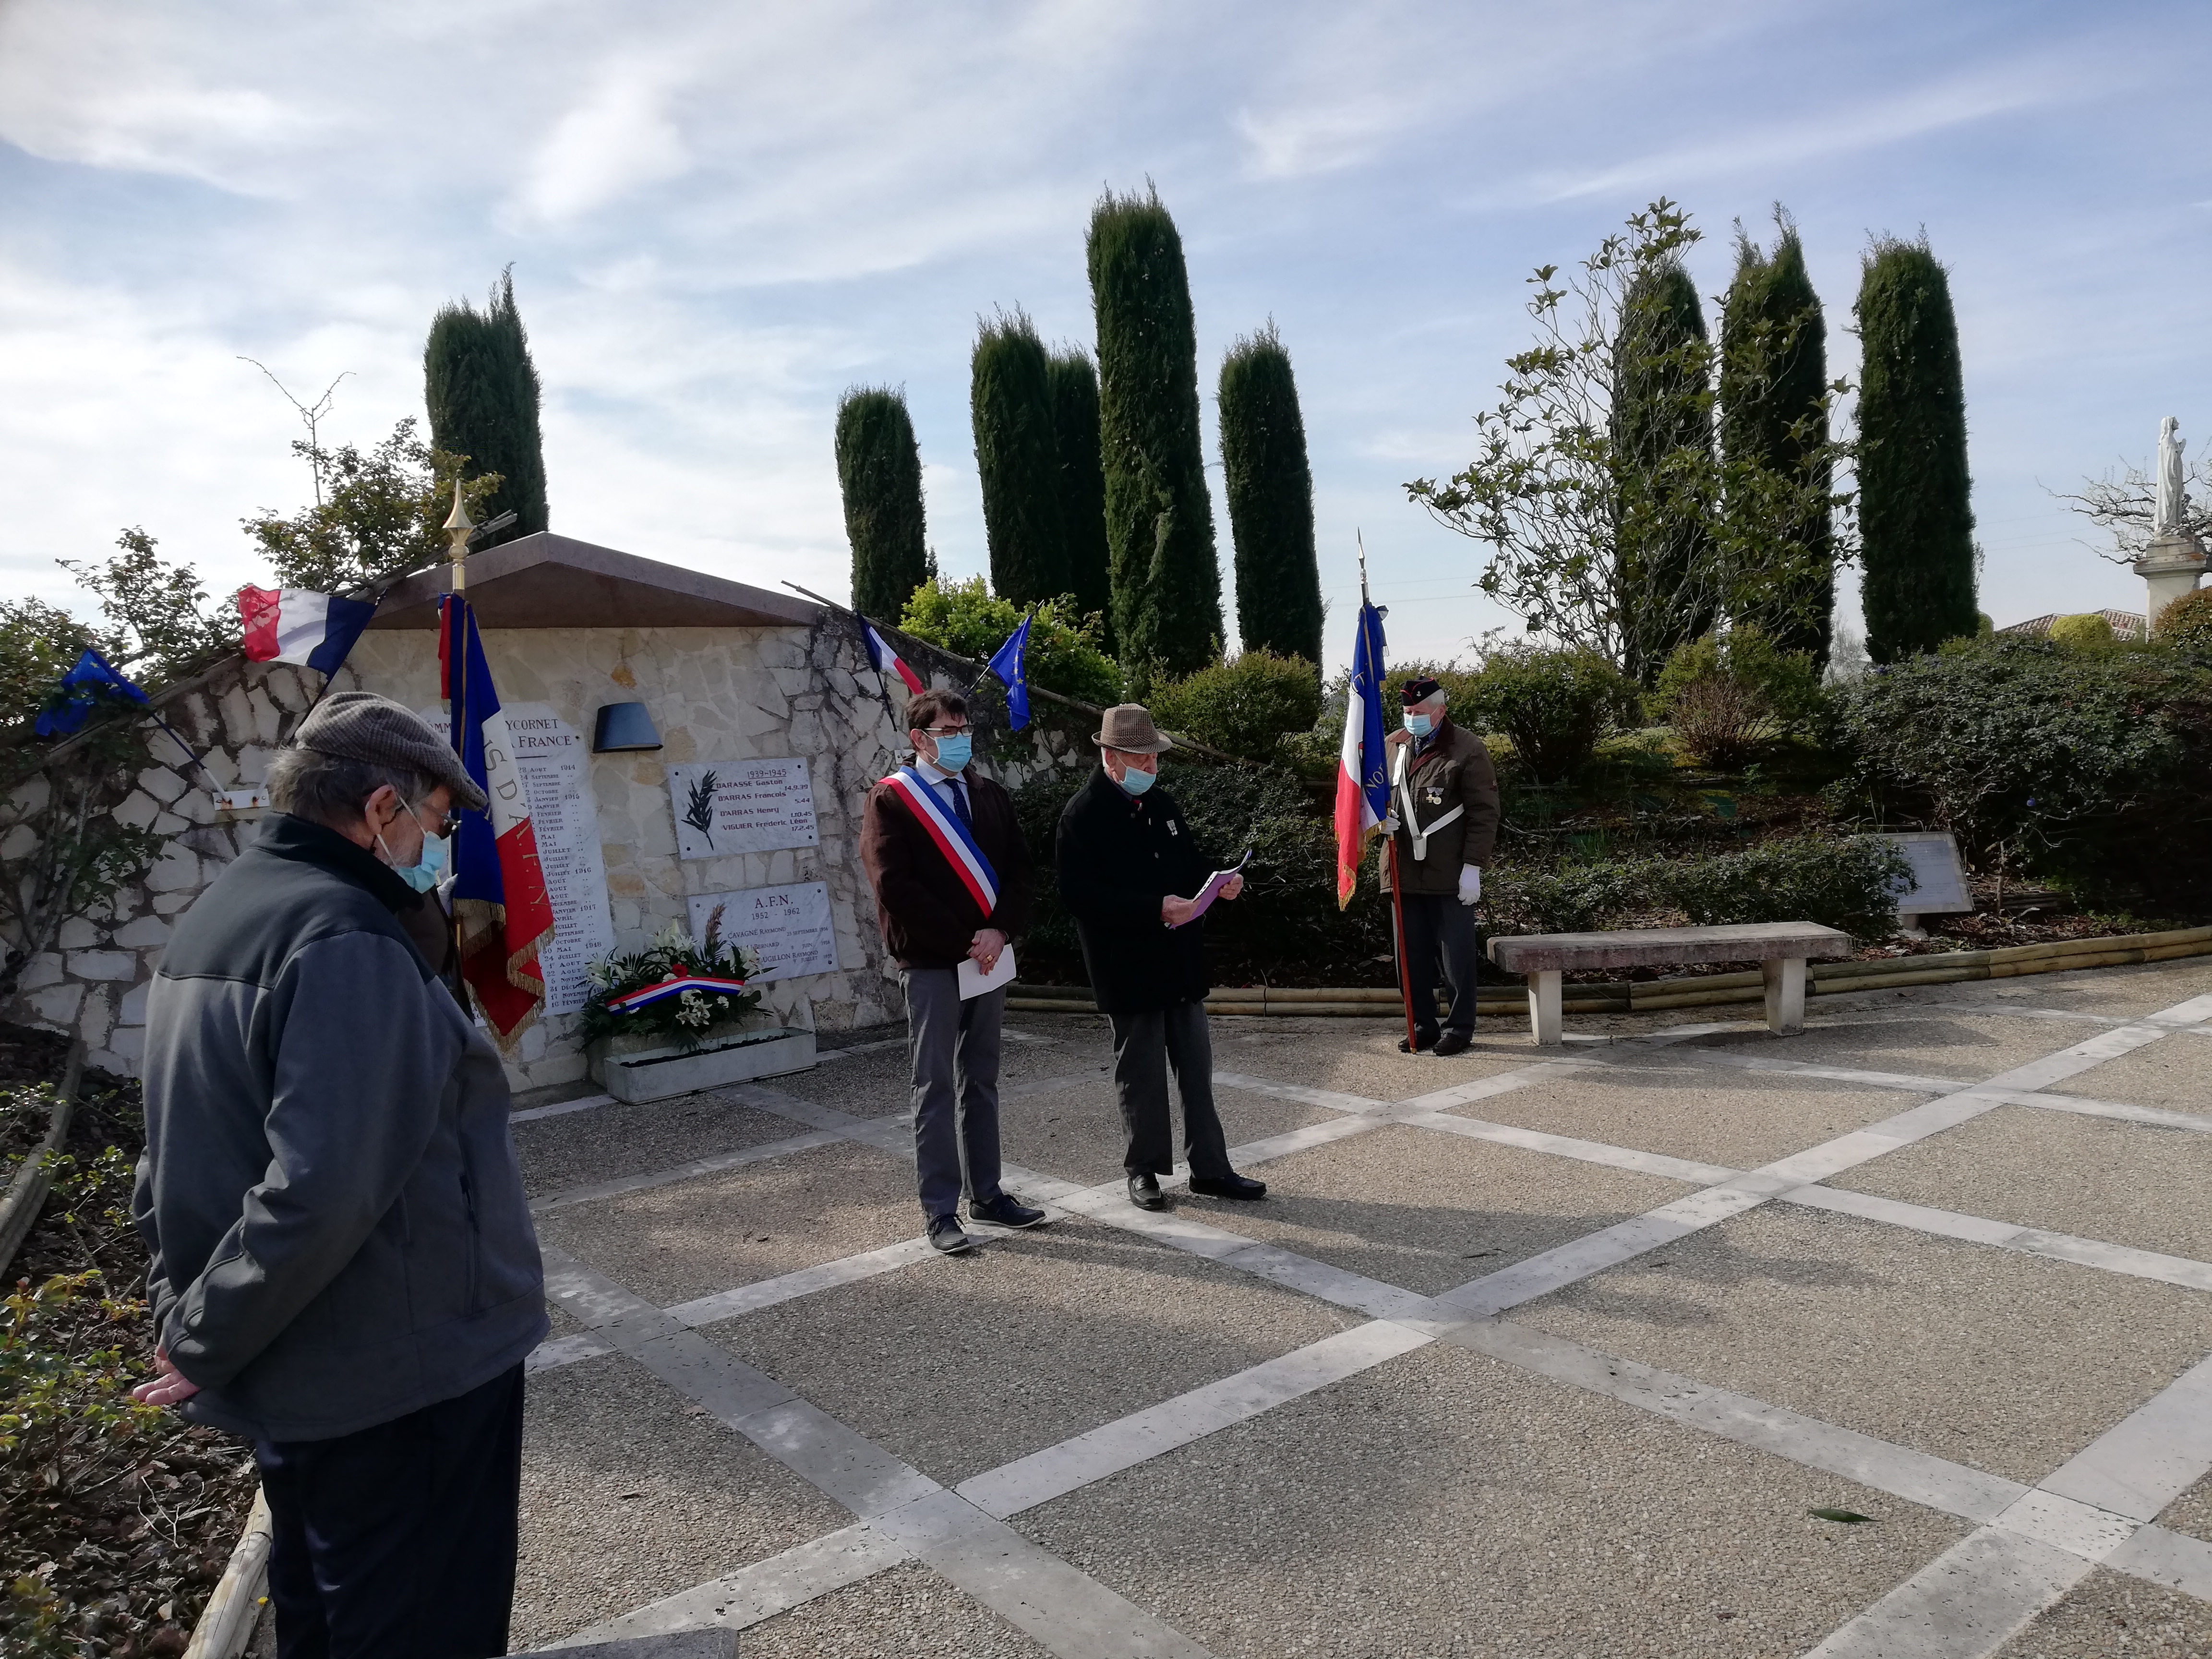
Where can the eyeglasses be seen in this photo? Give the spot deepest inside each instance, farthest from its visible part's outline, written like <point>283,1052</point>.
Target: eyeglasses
<point>448,826</point>
<point>942,731</point>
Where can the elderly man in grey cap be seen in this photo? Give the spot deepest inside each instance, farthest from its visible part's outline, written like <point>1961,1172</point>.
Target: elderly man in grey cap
<point>1129,871</point>
<point>343,1267</point>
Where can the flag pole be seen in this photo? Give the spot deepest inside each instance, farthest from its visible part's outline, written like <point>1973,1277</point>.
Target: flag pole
<point>1397,899</point>
<point>459,526</point>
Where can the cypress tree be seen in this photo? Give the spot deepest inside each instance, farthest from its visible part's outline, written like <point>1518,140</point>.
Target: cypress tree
<point>1269,485</point>
<point>879,474</point>
<point>482,392</point>
<point>1074,385</point>
<point>1663,439</point>
<point>1010,404</point>
<point>1159,517</point>
<point>1916,520</point>
<point>1774,376</point>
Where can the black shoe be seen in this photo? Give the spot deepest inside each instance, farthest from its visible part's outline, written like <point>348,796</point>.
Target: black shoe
<point>1144,1192</point>
<point>1003,1210</point>
<point>1231,1185</point>
<point>1416,1046</point>
<point>947,1238</point>
<point>1454,1042</point>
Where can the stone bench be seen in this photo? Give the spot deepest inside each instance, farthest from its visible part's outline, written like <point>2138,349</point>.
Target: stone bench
<point>1780,948</point>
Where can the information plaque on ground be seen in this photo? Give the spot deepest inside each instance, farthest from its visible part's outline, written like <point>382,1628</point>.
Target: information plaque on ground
<point>1937,886</point>
<point>790,927</point>
<point>742,806</point>
<point>555,765</point>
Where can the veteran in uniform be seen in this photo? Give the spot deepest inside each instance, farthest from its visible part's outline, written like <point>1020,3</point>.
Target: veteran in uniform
<point>1444,816</point>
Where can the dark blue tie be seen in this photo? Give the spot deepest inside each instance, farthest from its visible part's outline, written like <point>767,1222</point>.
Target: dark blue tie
<point>960,802</point>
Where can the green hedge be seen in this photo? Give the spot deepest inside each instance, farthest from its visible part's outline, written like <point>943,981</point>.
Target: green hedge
<point>1847,884</point>
<point>1245,706</point>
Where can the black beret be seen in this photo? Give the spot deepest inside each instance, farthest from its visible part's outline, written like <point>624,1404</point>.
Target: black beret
<point>1419,691</point>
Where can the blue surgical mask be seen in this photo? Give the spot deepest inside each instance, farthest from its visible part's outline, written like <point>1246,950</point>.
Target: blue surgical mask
<point>1137,782</point>
<point>1418,724</point>
<point>423,874</point>
<point>954,751</point>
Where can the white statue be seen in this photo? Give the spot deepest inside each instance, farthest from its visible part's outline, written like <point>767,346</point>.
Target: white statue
<point>2172,497</point>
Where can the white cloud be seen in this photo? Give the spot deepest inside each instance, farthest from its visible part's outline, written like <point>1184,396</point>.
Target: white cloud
<point>620,138</point>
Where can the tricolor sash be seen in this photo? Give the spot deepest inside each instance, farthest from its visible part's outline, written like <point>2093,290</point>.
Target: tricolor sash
<point>953,838</point>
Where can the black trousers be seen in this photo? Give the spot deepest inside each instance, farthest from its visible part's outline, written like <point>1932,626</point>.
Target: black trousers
<point>398,1541</point>
<point>1438,926</point>
<point>1145,1046</point>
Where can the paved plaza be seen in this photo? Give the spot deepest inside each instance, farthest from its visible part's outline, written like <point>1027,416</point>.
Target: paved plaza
<point>1887,1340</point>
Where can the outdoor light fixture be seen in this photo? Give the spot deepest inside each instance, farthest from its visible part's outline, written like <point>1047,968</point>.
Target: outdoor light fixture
<point>623,725</point>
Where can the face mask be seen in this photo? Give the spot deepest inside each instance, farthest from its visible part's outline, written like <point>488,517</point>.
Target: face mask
<point>1136,782</point>
<point>954,751</point>
<point>423,874</point>
<point>1418,724</point>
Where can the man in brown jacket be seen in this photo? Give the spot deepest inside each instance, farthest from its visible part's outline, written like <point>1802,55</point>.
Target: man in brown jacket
<point>1444,813</point>
<point>953,881</point>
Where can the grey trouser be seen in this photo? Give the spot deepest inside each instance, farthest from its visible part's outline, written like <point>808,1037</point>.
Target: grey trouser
<point>1145,1046</point>
<point>954,1048</point>
<point>1438,925</point>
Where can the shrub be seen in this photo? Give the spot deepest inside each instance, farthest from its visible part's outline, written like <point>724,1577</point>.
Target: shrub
<point>2084,633</point>
<point>1065,653</point>
<point>2186,624</point>
<point>1573,898</point>
<point>1848,884</point>
<point>1245,706</point>
<point>1728,697</point>
<point>1555,704</point>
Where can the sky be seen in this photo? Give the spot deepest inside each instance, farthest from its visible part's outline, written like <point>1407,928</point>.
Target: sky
<point>720,217</point>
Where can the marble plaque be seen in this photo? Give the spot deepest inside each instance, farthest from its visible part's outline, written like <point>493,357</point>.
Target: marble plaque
<point>742,806</point>
<point>555,765</point>
<point>791,927</point>
<point>1937,886</point>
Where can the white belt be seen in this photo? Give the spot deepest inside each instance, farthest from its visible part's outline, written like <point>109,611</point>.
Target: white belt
<point>1414,826</point>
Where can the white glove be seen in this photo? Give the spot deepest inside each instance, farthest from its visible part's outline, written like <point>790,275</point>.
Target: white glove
<point>1390,824</point>
<point>1470,883</point>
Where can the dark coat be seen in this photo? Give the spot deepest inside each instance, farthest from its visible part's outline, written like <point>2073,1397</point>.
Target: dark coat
<point>928,918</point>
<point>1119,855</point>
<point>1454,770</point>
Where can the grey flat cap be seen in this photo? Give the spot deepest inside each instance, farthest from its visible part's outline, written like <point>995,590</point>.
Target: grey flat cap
<point>1128,727</point>
<point>363,726</point>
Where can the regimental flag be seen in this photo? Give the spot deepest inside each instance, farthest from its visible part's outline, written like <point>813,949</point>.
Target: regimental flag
<point>1363,777</point>
<point>887,662</point>
<point>499,890</point>
<point>1006,664</point>
<point>291,624</point>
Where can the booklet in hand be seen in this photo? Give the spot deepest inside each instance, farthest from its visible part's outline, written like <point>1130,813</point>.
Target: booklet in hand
<point>1212,890</point>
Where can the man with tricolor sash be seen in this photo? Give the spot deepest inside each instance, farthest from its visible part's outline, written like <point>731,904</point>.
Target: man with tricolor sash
<point>952,880</point>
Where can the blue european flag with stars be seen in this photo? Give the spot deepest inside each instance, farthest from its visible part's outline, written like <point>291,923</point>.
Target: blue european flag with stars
<point>1006,664</point>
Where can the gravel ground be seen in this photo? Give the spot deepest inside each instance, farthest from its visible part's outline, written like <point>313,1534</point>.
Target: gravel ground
<point>2122,992</point>
<point>2010,1363</point>
<point>1927,1043</point>
<point>1076,1133</point>
<point>2191,1512</point>
<point>631,1493</point>
<point>604,1143</point>
<point>909,1612</point>
<point>565,1324</point>
<point>2132,1183</point>
<point>2110,1616</point>
<point>1427,1210</point>
<point>1445,1504</point>
<point>1670,1104</point>
<point>959,1365</point>
<point>2170,1073</point>
<point>879,1084</point>
<point>691,1238</point>
<point>1361,1057</point>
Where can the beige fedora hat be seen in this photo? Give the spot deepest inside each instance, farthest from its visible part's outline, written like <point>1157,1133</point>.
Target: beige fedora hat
<point>1128,727</point>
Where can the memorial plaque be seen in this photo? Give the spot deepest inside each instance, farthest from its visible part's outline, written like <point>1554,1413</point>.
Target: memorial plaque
<point>742,806</point>
<point>555,765</point>
<point>791,927</point>
<point>1938,885</point>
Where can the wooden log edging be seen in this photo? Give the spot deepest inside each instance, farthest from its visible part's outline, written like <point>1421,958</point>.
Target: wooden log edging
<point>226,1624</point>
<point>1823,979</point>
<point>34,1176</point>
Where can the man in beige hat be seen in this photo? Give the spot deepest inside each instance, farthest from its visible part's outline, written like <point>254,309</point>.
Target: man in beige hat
<point>1129,869</point>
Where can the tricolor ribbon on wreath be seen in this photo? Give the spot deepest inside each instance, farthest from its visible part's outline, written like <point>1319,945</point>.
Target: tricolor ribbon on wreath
<point>675,985</point>
<point>953,838</point>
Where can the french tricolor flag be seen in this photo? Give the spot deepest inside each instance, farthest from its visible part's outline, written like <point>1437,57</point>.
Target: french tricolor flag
<point>1362,779</point>
<point>888,662</point>
<point>291,624</point>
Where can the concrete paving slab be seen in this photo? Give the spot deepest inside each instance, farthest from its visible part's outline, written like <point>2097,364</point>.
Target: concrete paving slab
<point>908,1612</point>
<point>2005,1361</point>
<point>1667,1102</point>
<point>1921,1042</point>
<point>2128,992</point>
<point>563,1322</point>
<point>1427,1211</point>
<point>879,1084</point>
<point>2125,1183</point>
<point>1076,1132</point>
<point>631,1493</point>
<point>2111,1616</point>
<point>2191,1512</point>
<point>608,1142</point>
<point>692,1239</point>
<point>960,1364</point>
<point>2174,1072</point>
<point>1361,1057</point>
<point>1443,1503</point>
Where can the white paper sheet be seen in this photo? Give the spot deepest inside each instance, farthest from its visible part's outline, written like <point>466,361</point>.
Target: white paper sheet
<point>973,981</point>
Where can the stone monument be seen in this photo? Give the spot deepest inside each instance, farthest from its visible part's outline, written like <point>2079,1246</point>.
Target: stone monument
<point>2171,564</point>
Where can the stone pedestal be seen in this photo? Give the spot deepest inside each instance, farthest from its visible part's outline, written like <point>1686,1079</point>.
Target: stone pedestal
<point>2170,569</point>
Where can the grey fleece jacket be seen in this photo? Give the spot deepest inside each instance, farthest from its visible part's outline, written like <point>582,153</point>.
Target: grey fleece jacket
<point>330,1192</point>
